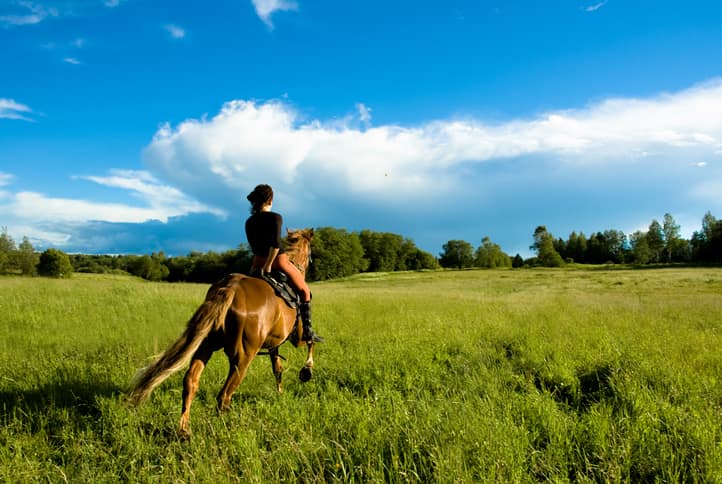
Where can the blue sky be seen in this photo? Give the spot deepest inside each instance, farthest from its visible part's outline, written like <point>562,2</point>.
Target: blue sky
<point>132,126</point>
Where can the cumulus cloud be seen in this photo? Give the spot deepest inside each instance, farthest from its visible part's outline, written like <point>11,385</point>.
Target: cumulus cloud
<point>435,180</point>
<point>10,109</point>
<point>175,31</point>
<point>161,201</point>
<point>55,220</point>
<point>266,8</point>
<point>250,141</point>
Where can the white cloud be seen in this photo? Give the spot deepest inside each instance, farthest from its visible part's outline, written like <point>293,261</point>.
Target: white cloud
<point>54,220</point>
<point>175,31</point>
<point>162,200</point>
<point>10,109</point>
<point>30,13</point>
<point>71,60</point>
<point>248,141</point>
<point>38,207</point>
<point>266,8</point>
<point>68,222</point>
<point>5,179</point>
<point>595,7</point>
<point>364,113</point>
<point>25,12</point>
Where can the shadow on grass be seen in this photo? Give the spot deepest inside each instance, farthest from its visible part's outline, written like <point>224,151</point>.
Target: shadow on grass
<point>77,395</point>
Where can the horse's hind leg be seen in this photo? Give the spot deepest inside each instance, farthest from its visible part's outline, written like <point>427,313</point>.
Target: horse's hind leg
<point>238,366</point>
<point>306,371</point>
<point>190,386</point>
<point>277,368</point>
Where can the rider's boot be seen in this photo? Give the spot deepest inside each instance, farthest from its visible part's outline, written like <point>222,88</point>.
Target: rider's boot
<point>308,334</point>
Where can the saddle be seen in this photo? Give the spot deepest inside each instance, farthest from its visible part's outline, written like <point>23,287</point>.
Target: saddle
<point>279,282</point>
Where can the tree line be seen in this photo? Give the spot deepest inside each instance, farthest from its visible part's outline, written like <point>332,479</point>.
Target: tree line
<point>340,253</point>
<point>661,243</point>
<point>336,253</point>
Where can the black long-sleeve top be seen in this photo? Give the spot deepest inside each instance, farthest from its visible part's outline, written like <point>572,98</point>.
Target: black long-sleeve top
<point>263,231</point>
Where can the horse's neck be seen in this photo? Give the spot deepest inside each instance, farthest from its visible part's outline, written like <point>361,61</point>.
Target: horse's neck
<point>299,257</point>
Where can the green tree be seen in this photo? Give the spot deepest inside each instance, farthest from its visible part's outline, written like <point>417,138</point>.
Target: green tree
<point>560,245</point>
<point>27,258</point>
<point>149,267</point>
<point>616,245</point>
<point>655,241</point>
<point>457,254</point>
<point>207,267</point>
<point>419,259</point>
<point>670,229</point>
<point>706,244</point>
<point>547,255</point>
<point>640,248</point>
<point>7,251</point>
<point>382,250</point>
<point>607,246</point>
<point>55,263</point>
<point>577,247</point>
<point>490,255</point>
<point>388,252</point>
<point>336,253</point>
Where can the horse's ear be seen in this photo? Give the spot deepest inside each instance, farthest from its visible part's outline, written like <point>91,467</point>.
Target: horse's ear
<point>288,231</point>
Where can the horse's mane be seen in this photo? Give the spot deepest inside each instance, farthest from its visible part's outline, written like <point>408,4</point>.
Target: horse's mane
<point>298,247</point>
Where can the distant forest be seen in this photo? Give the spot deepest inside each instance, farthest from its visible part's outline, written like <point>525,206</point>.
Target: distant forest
<point>339,253</point>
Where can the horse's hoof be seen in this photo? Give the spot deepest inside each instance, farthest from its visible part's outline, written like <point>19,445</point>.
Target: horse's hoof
<point>184,434</point>
<point>305,374</point>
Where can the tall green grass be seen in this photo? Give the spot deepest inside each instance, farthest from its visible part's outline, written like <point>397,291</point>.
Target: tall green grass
<point>475,376</point>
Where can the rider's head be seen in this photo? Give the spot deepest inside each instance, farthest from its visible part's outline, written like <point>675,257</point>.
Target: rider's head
<point>261,196</point>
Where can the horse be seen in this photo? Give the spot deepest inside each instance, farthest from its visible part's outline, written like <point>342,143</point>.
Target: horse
<point>242,315</point>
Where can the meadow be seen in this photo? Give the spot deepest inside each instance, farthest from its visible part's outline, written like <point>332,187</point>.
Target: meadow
<point>574,375</point>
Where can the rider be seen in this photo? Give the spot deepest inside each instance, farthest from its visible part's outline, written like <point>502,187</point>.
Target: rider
<point>263,230</point>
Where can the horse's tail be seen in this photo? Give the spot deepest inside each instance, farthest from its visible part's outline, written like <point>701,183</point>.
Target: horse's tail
<point>210,315</point>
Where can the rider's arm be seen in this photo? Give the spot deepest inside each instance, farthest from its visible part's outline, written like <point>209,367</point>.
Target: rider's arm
<point>272,253</point>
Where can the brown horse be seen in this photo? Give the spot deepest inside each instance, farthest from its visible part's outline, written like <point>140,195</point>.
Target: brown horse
<point>243,316</point>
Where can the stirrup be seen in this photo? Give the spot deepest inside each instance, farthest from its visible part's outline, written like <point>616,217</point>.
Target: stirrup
<point>313,337</point>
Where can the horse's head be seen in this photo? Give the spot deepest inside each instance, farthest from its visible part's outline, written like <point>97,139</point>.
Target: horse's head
<point>298,247</point>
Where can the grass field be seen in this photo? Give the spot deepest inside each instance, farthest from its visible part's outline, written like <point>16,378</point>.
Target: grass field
<point>583,375</point>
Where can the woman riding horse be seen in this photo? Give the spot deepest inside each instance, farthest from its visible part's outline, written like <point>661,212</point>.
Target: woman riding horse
<point>241,315</point>
<point>263,231</point>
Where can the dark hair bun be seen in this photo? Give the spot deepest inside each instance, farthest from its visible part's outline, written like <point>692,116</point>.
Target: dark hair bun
<point>260,196</point>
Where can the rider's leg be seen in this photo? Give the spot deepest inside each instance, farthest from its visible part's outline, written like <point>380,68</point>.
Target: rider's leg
<point>283,263</point>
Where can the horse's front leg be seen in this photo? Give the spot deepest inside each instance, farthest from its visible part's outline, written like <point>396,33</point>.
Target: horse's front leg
<point>277,367</point>
<point>306,371</point>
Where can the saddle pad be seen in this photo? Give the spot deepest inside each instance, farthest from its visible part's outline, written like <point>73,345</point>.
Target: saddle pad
<point>280,285</point>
